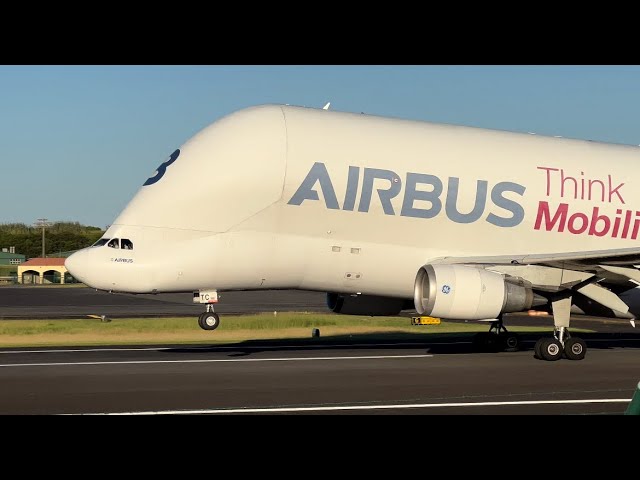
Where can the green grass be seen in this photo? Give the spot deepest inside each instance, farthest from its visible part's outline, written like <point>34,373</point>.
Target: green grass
<point>14,333</point>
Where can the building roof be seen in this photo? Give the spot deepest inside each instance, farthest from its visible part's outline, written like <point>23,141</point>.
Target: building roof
<point>44,262</point>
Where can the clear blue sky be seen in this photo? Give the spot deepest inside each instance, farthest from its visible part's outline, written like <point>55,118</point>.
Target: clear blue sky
<point>78,141</point>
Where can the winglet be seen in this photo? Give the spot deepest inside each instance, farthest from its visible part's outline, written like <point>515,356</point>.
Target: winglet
<point>326,107</point>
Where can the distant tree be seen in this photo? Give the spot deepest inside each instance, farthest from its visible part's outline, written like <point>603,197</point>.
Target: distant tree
<point>60,237</point>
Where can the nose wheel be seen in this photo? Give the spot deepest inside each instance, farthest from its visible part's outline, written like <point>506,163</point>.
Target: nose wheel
<point>209,321</point>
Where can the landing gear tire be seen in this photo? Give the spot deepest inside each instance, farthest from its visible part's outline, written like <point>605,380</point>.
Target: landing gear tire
<point>550,349</point>
<point>537,349</point>
<point>511,342</point>
<point>492,342</point>
<point>575,348</point>
<point>209,321</point>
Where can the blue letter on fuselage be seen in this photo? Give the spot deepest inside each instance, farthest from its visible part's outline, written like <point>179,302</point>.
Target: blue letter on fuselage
<point>370,174</point>
<point>318,173</point>
<point>411,195</point>
<point>162,169</point>
<point>452,199</point>
<point>509,205</point>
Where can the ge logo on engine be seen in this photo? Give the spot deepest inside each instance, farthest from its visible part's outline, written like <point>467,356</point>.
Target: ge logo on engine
<point>446,289</point>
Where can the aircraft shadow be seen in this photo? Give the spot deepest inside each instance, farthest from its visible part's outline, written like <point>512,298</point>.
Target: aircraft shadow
<point>434,343</point>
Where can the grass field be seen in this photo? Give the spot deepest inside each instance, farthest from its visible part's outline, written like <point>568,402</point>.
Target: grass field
<point>140,331</point>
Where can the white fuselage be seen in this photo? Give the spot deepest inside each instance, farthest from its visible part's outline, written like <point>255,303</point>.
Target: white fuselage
<point>288,197</point>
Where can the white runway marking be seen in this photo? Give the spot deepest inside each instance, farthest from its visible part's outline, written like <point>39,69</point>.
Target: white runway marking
<point>227,347</point>
<point>76,350</point>
<point>370,407</point>
<point>225,360</point>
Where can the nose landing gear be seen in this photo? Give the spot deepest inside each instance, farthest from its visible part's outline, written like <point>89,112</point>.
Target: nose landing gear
<point>209,320</point>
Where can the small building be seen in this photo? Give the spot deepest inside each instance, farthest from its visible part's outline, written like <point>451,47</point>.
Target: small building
<point>8,256</point>
<point>44,271</point>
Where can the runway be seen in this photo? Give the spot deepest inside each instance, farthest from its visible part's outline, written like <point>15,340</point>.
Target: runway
<point>78,302</point>
<point>268,378</point>
<point>53,302</point>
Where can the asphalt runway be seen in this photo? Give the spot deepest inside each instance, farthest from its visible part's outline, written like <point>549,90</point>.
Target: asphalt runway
<point>53,302</point>
<point>425,378</point>
<point>78,302</point>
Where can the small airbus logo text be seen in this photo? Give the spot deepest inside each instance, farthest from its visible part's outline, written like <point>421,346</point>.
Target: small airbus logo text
<point>122,260</point>
<point>423,195</point>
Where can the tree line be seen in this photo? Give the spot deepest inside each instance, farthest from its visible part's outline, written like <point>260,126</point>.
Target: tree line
<point>59,237</point>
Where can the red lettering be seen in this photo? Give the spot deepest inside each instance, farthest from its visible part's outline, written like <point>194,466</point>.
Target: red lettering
<point>572,221</point>
<point>563,179</point>
<point>595,218</point>
<point>549,170</point>
<point>560,216</point>
<point>615,190</point>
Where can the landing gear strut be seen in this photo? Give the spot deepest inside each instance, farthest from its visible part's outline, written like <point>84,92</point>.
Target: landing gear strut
<point>562,342</point>
<point>498,338</point>
<point>209,320</point>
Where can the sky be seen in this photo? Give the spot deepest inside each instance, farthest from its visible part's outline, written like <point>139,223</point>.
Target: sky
<point>77,142</point>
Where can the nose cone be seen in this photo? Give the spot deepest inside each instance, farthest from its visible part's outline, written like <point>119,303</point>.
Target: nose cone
<point>77,266</point>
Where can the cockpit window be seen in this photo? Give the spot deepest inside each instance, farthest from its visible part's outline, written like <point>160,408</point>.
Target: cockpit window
<point>126,244</point>
<point>100,242</point>
<point>115,243</point>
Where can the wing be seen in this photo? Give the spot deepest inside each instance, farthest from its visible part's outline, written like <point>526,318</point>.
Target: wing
<point>624,257</point>
<point>599,275</point>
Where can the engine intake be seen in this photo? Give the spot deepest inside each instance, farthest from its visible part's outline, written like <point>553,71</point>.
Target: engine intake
<point>470,293</point>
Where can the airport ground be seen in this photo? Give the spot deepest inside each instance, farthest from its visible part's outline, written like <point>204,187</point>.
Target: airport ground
<point>430,376</point>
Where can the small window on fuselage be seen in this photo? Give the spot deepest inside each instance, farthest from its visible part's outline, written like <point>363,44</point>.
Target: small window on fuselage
<point>126,244</point>
<point>100,242</point>
<point>115,243</point>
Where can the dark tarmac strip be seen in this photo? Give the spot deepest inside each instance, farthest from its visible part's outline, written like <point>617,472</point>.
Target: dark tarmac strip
<point>74,302</point>
<point>315,379</point>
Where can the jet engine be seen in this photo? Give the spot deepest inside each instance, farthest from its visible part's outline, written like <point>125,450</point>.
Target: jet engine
<point>470,293</point>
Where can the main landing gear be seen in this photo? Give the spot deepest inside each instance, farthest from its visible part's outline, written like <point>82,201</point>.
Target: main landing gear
<point>497,339</point>
<point>209,320</point>
<point>562,342</point>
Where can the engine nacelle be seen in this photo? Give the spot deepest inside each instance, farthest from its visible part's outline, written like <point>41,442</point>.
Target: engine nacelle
<point>365,305</point>
<point>468,293</point>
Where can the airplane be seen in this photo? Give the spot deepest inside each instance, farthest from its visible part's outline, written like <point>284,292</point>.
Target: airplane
<point>385,215</point>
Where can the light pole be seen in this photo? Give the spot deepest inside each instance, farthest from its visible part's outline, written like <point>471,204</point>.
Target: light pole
<point>42,222</point>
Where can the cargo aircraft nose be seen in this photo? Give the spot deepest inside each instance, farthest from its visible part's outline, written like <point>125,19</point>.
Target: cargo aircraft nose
<point>78,265</point>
